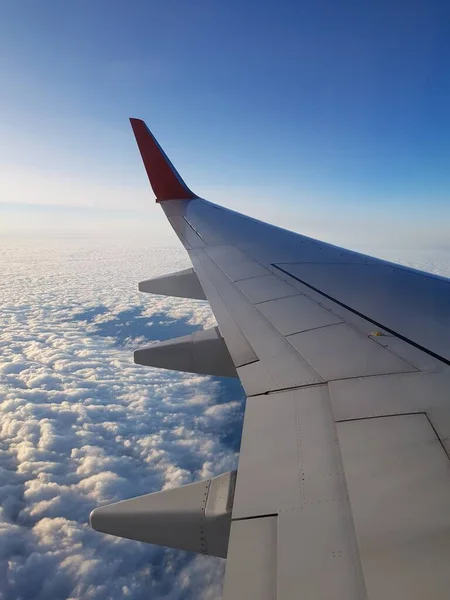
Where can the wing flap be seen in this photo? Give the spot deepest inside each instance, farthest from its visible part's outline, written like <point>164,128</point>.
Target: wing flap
<point>399,486</point>
<point>252,560</point>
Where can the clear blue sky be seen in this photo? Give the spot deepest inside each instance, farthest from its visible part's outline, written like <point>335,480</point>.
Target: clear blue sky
<point>325,110</point>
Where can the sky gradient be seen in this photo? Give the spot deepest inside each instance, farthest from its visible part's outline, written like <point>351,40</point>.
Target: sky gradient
<point>331,119</point>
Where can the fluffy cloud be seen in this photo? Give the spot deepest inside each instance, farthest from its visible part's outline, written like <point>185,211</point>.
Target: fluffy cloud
<point>81,425</point>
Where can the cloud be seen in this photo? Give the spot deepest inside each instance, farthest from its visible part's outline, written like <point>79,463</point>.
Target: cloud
<point>81,425</point>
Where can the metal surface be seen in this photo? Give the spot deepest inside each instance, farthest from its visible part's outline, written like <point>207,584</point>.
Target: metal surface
<point>171,518</point>
<point>204,352</point>
<point>296,313</point>
<point>389,395</point>
<point>183,284</point>
<point>267,287</point>
<point>317,556</point>
<point>414,302</point>
<point>299,477</point>
<point>235,263</point>
<point>239,347</point>
<point>285,367</point>
<point>286,444</point>
<point>414,305</point>
<point>188,234</point>
<point>194,517</point>
<point>398,478</point>
<point>268,477</point>
<point>251,570</point>
<point>218,509</point>
<point>339,352</point>
<point>256,379</point>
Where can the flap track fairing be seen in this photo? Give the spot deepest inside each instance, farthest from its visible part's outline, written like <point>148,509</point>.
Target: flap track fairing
<point>194,517</point>
<point>182,284</point>
<point>204,352</point>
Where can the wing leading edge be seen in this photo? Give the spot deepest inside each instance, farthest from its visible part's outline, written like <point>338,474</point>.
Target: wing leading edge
<point>343,485</point>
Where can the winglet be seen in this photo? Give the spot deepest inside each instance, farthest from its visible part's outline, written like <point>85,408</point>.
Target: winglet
<point>165,181</point>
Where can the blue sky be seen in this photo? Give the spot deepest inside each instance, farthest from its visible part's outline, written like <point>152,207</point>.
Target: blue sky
<point>327,117</point>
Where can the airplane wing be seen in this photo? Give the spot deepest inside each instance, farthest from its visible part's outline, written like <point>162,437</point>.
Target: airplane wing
<point>343,485</point>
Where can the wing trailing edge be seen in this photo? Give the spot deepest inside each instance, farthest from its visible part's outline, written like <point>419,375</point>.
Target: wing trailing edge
<point>164,178</point>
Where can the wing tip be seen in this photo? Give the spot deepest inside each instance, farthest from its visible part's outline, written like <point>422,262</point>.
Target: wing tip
<point>164,178</point>
<point>136,120</point>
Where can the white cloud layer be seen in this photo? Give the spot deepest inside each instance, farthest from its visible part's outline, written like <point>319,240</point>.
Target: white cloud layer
<point>81,425</point>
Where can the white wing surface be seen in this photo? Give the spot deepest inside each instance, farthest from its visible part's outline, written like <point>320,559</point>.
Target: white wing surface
<point>343,484</point>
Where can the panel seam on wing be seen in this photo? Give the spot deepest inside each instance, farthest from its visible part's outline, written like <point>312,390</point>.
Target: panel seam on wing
<point>275,331</point>
<point>363,316</point>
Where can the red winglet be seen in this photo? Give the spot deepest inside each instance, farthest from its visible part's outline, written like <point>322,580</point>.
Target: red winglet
<point>165,181</point>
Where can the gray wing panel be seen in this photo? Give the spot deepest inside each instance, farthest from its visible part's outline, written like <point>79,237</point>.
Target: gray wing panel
<point>412,304</point>
<point>282,366</point>
<point>290,466</point>
<point>398,478</point>
<point>252,560</point>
